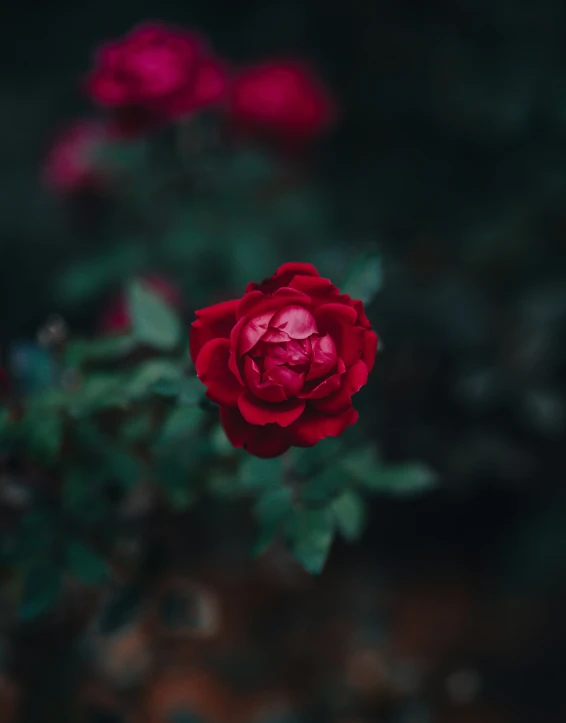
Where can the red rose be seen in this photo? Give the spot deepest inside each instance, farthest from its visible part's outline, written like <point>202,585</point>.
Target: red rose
<point>164,73</point>
<point>70,164</point>
<point>284,98</point>
<point>115,319</point>
<point>284,360</point>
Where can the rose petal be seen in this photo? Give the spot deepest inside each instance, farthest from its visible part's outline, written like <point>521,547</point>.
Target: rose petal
<point>313,426</point>
<point>292,382</point>
<point>256,303</point>
<point>370,349</point>
<point>362,318</point>
<point>283,276</point>
<point>296,321</point>
<point>296,267</point>
<point>338,321</point>
<point>352,381</point>
<point>268,390</point>
<point>213,371</point>
<point>274,336</point>
<point>211,83</point>
<point>324,356</point>
<point>213,322</point>
<point>105,89</point>
<point>326,387</point>
<point>321,291</point>
<point>252,332</point>
<point>255,411</point>
<point>344,313</point>
<point>267,441</point>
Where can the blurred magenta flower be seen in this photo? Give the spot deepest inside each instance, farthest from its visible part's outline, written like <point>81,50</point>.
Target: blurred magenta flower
<point>284,98</point>
<point>70,164</point>
<point>115,318</point>
<point>158,73</point>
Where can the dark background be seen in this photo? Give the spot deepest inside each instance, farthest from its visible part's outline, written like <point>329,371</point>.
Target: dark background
<point>450,153</point>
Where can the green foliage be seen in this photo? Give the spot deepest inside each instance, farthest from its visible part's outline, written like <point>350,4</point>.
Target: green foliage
<point>86,565</point>
<point>40,591</point>
<point>42,430</point>
<point>261,474</point>
<point>179,426</point>
<point>363,467</point>
<point>310,534</point>
<point>98,417</point>
<point>274,506</point>
<point>350,514</point>
<point>154,322</point>
<point>364,279</point>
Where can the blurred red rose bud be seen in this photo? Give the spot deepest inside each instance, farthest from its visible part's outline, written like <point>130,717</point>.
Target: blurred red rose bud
<point>156,74</point>
<point>283,98</point>
<point>71,162</point>
<point>115,319</point>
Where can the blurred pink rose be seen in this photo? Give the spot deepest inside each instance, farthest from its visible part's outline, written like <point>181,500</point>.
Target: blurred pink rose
<point>284,98</point>
<point>158,73</point>
<point>70,164</point>
<point>115,319</point>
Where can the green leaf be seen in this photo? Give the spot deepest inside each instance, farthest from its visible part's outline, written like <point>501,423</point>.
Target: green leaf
<point>154,321</point>
<point>41,589</point>
<point>350,514</point>
<point>274,506</point>
<point>86,565</point>
<point>256,473</point>
<point>187,390</point>
<point>43,434</point>
<point>397,479</point>
<point>309,461</point>
<point>180,425</point>
<point>97,392</point>
<point>80,351</point>
<point>220,443</point>
<point>404,479</point>
<point>264,540</point>
<point>311,533</point>
<point>365,277</point>
<point>323,486</point>
<point>150,374</point>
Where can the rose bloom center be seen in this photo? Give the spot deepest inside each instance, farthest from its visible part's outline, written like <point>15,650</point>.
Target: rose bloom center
<point>283,356</point>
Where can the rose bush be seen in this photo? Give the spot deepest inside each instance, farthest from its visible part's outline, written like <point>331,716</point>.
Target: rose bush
<point>284,360</point>
<point>284,98</point>
<point>163,73</point>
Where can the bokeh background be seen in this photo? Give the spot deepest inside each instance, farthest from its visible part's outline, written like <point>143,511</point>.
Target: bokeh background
<point>450,154</point>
